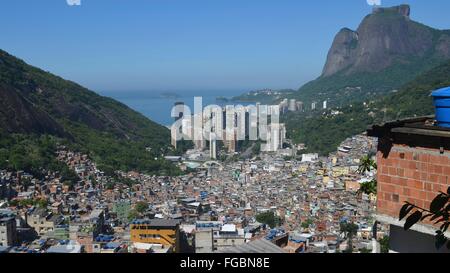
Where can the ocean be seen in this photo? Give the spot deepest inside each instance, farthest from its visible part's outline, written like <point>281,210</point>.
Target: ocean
<point>157,107</point>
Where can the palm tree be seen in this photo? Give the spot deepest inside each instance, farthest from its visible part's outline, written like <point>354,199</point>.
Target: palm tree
<point>367,165</point>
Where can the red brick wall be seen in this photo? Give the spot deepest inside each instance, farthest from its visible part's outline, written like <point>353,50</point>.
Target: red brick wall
<point>410,174</point>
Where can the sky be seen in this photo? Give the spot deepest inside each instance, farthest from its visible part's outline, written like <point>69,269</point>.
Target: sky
<point>185,45</point>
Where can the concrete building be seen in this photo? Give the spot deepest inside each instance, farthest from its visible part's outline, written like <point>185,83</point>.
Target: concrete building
<point>8,230</point>
<point>275,138</point>
<point>213,146</point>
<point>284,106</point>
<point>262,246</point>
<point>204,241</point>
<point>413,166</point>
<point>214,236</point>
<point>157,231</point>
<point>43,221</point>
<point>292,105</point>
<point>178,115</point>
<point>97,221</point>
<point>300,106</point>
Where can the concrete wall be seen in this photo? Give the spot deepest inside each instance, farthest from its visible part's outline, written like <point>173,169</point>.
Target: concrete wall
<point>204,241</point>
<point>402,241</point>
<point>8,233</point>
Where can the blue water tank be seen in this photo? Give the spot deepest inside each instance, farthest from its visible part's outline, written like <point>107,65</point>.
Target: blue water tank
<point>441,99</point>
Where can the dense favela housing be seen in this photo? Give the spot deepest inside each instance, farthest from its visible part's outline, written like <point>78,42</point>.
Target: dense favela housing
<point>270,203</point>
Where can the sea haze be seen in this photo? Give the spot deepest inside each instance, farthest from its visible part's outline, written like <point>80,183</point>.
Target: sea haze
<point>157,106</point>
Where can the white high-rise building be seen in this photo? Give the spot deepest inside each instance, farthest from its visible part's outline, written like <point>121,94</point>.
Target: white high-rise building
<point>275,138</point>
<point>292,105</point>
<point>230,129</point>
<point>299,106</point>
<point>284,105</point>
<point>197,133</point>
<point>325,105</point>
<point>212,146</point>
<point>313,106</point>
<point>282,135</point>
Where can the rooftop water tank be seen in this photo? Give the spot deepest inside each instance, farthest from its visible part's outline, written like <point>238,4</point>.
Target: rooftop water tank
<point>441,99</point>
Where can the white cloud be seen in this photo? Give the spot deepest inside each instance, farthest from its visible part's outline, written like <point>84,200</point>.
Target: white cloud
<point>74,2</point>
<point>374,2</point>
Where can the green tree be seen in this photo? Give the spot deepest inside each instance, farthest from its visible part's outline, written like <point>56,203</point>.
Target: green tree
<point>365,250</point>
<point>141,207</point>
<point>109,185</point>
<point>350,230</point>
<point>42,203</point>
<point>133,215</point>
<point>269,218</point>
<point>384,244</point>
<point>367,164</point>
<point>307,223</point>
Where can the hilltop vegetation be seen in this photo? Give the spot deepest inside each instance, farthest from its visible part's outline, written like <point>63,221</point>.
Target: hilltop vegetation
<point>384,70</point>
<point>340,89</point>
<point>34,103</point>
<point>322,132</point>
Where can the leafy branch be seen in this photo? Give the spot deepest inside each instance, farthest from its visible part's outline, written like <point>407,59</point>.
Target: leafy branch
<point>367,165</point>
<point>438,213</point>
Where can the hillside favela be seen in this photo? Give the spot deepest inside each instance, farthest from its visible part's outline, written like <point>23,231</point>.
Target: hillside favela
<point>225,127</point>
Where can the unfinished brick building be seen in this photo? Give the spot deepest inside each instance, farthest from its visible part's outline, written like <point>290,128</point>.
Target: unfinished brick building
<point>413,166</point>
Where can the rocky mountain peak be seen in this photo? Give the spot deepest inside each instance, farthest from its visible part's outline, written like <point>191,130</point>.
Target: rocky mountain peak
<point>384,38</point>
<point>404,10</point>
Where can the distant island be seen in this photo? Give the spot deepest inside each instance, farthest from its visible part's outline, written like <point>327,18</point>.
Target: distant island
<point>170,95</point>
<point>222,99</point>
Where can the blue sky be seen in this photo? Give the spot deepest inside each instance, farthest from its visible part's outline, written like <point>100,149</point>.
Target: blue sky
<point>176,45</point>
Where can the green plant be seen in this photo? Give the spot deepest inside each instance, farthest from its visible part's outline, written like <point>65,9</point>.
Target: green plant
<point>349,230</point>
<point>384,244</point>
<point>141,207</point>
<point>367,165</point>
<point>307,223</point>
<point>269,218</point>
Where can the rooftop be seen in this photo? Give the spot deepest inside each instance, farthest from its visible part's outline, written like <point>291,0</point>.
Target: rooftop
<point>414,132</point>
<point>257,246</point>
<point>414,126</point>
<point>169,223</point>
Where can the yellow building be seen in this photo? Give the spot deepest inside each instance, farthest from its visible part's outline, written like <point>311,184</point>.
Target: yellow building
<point>352,185</point>
<point>320,172</point>
<point>156,231</point>
<point>340,171</point>
<point>303,168</point>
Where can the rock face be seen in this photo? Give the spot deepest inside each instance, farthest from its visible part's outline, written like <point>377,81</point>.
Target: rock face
<point>19,116</point>
<point>343,51</point>
<point>403,10</point>
<point>386,37</point>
